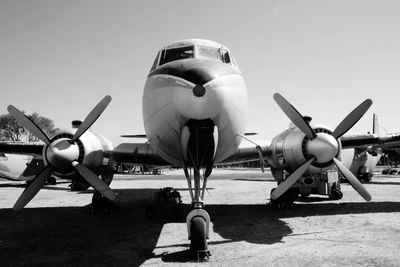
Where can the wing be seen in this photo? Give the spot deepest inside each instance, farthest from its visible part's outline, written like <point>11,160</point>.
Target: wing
<point>137,153</point>
<point>20,168</point>
<point>21,148</point>
<point>9,175</point>
<point>368,140</point>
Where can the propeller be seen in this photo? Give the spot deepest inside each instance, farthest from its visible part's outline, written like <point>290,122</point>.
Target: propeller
<point>285,185</point>
<point>62,154</point>
<point>33,188</point>
<point>352,180</point>
<point>352,118</point>
<point>94,181</point>
<point>294,116</point>
<point>28,124</point>
<point>92,117</point>
<point>323,147</point>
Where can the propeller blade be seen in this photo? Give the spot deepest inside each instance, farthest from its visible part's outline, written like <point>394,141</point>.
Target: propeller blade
<point>352,118</point>
<point>95,181</point>
<point>92,117</point>
<point>294,115</point>
<point>285,185</point>
<point>28,124</point>
<point>353,180</point>
<point>33,188</point>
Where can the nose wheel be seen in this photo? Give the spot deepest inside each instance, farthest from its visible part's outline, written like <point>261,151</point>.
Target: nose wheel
<point>198,223</point>
<point>198,220</point>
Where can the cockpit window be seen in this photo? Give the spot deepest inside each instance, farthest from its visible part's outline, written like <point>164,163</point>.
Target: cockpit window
<point>155,62</point>
<point>205,52</point>
<point>197,51</point>
<point>225,56</point>
<point>173,54</point>
<point>213,53</point>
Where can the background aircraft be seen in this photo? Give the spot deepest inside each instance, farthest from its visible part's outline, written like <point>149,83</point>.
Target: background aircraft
<point>12,167</point>
<point>194,111</point>
<point>21,167</point>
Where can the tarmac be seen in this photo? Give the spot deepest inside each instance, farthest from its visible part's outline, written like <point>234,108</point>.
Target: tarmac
<point>57,228</point>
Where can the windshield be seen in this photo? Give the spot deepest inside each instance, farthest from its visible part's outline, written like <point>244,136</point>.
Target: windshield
<point>213,53</point>
<point>176,54</point>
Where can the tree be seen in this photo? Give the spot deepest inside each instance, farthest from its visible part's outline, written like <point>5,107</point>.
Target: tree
<point>11,130</point>
<point>45,124</point>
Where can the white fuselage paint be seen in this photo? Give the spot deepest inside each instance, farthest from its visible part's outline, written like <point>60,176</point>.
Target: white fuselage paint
<point>349,159</point>
<point>169,102</point>
<point>12,166</point>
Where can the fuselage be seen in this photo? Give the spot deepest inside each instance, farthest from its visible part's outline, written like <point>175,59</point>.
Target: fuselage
<point>194,82</point>
<point>12,167</point>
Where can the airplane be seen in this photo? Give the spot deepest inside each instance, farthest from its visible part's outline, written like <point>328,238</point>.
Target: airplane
<point>194,113</point>
<point>16,167</point>
<point>13,166</point>
<point>366,158</point>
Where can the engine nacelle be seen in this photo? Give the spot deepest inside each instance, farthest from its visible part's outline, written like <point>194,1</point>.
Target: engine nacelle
<point>93,153</point>
<point>289,150</point>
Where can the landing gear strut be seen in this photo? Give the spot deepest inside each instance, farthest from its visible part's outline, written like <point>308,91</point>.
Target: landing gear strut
<point>285,201</point>
<point>336,194</point>
<point>101,204</point>
<point>199,140</point>
<point>198,220</point>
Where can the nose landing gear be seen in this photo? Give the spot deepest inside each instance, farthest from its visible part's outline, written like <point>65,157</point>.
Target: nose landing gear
<point>198,224</point>
<point>199,140</point>
<point>198,220</point>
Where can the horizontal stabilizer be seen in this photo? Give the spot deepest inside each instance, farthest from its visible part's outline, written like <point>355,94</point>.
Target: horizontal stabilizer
<point>248,134</point>
<point>134,135</point>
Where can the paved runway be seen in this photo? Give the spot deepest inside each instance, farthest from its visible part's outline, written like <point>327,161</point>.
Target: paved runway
<point>57,228</point>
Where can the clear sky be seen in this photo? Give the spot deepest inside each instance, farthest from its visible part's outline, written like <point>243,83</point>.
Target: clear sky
<point>59,58</point>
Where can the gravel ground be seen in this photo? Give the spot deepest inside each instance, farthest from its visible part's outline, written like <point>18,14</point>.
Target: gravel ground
<point>58,229</point>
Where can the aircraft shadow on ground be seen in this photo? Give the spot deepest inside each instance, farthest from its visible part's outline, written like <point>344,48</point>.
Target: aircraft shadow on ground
<point>24,185</point>
<point>261,224</point>
<point>255,179</point>
<point>384,183</point>
<point>75,236</point>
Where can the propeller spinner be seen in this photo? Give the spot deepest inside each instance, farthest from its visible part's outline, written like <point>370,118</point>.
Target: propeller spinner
<point>62,154</point>
<point>322,147</point>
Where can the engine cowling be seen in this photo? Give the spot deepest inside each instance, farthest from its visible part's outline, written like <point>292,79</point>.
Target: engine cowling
<point>90,149</point>
<point>70,152</point>
<point>318,149</point>
<point>292,147</point>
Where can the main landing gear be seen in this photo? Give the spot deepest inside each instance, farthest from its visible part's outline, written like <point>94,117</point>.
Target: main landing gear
<point>101,204</point>
<point>335,193</point>
<point>285,201</point>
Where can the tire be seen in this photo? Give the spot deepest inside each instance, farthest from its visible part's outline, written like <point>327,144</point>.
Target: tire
<point>51,181</point>
<point>100,204</point>
<point>336,194</point>
<point>198,238</point>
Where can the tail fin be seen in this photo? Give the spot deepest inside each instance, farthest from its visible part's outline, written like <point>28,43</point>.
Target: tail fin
<point>375,124</point>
